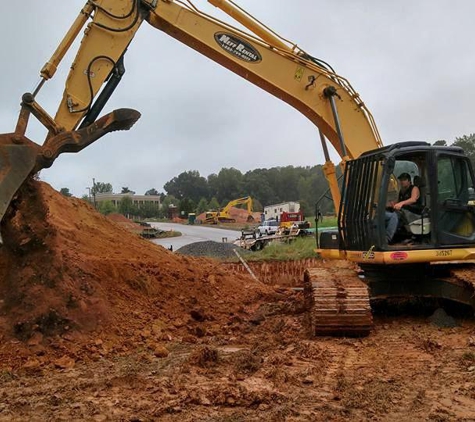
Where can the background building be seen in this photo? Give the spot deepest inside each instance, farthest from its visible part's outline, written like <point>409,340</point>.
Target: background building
<point>137,200</point>
<point>274,211</point>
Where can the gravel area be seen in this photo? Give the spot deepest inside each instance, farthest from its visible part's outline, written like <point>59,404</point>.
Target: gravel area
<point>211,249</point>
<point>441,319</point>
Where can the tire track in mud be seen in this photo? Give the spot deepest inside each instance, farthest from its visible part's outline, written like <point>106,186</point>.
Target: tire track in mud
<point>342,357</point>
<point>401,375</point>
<point>452,392</point>
<point>430,377</point>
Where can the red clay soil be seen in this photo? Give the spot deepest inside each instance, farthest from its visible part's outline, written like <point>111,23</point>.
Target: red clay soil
<point>125,223</point>
<point>118,218</point>
<point>97,324</point>
<point>239,214</point>
<point>66,270</point>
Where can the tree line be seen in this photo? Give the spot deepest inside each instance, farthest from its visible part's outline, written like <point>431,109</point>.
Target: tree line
<point>191,192</point>
<point>264,186</point>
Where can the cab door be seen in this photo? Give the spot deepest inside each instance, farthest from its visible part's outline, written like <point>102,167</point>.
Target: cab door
<point>455,201</point>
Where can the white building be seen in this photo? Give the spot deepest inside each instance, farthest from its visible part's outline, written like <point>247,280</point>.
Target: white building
<point>274,211</point>
<point>137,200</point>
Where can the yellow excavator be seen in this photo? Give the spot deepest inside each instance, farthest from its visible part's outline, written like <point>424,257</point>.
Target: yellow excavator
<point>223,215</point>
<point>436,263</point>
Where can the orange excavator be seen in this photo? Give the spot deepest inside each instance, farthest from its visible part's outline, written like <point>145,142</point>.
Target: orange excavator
<point>436,263</point>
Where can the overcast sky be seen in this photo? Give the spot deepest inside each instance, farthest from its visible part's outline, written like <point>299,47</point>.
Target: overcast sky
<point>412,62</point>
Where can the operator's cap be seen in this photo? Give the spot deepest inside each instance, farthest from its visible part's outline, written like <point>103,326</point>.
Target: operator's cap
<point>404,176</point>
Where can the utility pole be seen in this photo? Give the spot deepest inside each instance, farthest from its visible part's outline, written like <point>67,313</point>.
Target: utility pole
<point>94,191</point>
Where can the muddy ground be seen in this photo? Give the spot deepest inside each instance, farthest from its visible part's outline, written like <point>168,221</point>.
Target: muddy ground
<point>98,324</point>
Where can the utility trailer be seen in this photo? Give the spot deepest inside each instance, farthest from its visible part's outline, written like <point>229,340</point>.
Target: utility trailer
<point>251,240</point>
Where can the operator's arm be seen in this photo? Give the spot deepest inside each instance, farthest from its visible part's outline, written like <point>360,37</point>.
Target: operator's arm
<point>415,194</point>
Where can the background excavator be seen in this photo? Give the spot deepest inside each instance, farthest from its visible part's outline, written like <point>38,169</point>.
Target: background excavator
<point>436,264</point>
<point>224,216</point>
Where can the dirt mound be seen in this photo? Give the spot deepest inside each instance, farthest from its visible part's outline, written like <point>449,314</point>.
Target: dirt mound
<point>118,218</point>
<point>210,249</point>
<point>125,223</point>
<point>239,214</point>
<point>116,328</point>
<point>67,270</point>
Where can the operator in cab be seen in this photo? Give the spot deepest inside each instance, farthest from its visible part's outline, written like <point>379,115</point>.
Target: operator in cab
<point>409,199</point>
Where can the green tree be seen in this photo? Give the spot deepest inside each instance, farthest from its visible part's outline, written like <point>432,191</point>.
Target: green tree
<point>107,207</point>
<point>152,191</point>
<point>212,180</point>
<point>467,143</point>
<point>213,204</point>
<point>229,184</point>
<point>125,189</point>
<point>166,202</point>
<point>440,143</point>
<point>256,185</point>
<point>268,186</point>
<point>65,192</point>
<point>126,206</point>
<point>256,205</point>
<point>305,208</point>
<point>148,210</point>
<point>202,206</point>
<point>100,187</point>
<point>186,206</point>
<point>188,184</point>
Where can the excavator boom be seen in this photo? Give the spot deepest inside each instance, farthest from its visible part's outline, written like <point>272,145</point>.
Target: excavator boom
<point>263,58</point>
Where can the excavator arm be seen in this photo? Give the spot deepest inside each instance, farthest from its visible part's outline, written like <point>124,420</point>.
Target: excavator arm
<point>267,61</point>
<point>263,58</point>
<point>247,200</point>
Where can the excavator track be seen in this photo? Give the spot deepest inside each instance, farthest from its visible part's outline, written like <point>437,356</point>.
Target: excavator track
<point>337,302</point>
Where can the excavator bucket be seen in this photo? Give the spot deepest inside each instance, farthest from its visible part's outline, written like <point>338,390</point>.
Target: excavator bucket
<point>20,157</point>
<point>17,160</point>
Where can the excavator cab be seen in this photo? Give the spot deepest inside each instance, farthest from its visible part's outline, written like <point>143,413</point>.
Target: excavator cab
<point>443,218</point>
<point>431,251</point>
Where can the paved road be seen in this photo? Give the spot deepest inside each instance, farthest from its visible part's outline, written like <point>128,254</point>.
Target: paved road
<point>191,234</point>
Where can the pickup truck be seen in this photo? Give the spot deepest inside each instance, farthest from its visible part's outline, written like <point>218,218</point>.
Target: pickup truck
<point>268,227</point>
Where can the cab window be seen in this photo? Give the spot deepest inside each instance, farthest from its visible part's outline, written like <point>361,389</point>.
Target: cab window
<point>453,180</point>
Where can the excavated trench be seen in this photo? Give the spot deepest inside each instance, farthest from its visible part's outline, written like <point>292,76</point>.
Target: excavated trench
<point>282,273</point>
<point>291,274</point>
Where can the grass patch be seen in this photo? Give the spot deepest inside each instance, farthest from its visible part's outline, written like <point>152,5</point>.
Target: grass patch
<point>327,221</point>
<point>300,248</point>
<point>167,234</point>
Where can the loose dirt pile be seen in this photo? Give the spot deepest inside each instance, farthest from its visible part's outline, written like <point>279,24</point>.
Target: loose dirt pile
<point>239,214</point>
<point>124,222</point>
<point>98,324</point>
<point>68,272</point>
